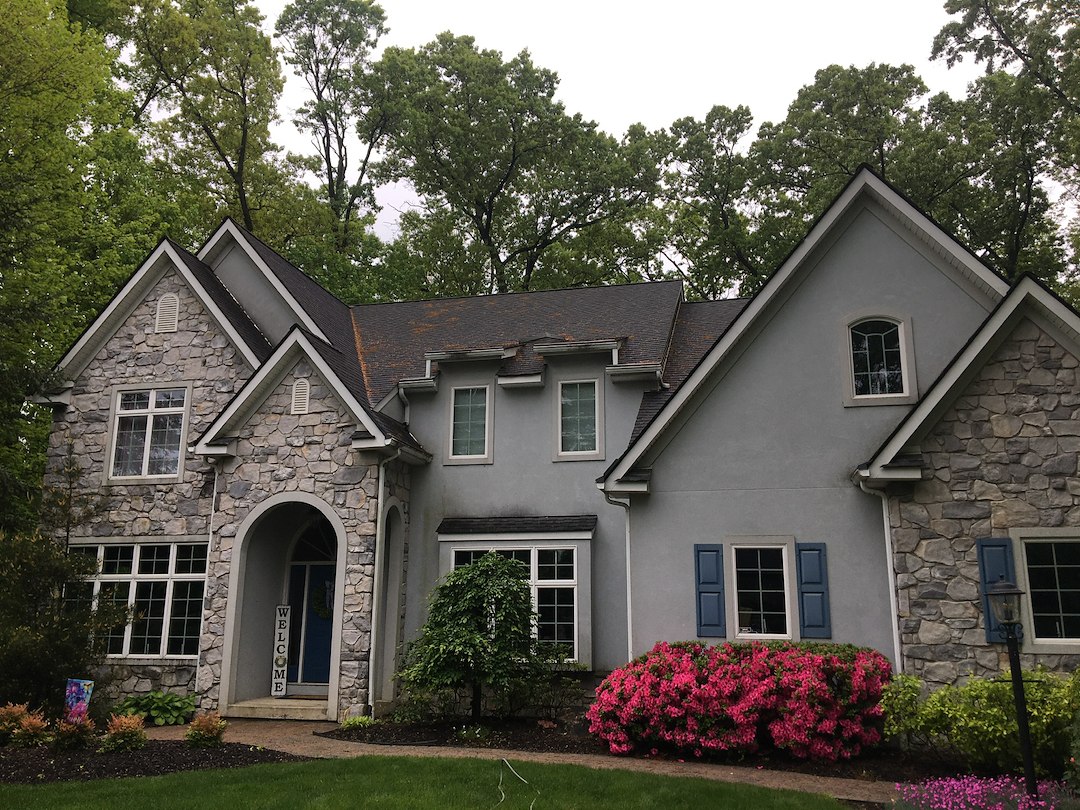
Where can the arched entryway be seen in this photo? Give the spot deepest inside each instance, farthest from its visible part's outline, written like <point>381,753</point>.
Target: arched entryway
<point>289,551</point>
<point>389,610</point>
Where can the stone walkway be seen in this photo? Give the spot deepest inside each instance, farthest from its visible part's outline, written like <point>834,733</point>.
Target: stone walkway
<point>298,737</point>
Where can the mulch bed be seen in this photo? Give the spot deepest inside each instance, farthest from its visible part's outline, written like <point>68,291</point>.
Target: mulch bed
<point>883,764</point>
<point>47,764</point>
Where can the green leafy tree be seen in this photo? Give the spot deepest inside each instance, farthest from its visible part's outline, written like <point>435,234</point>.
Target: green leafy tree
<point>478,634</point>
<point>329,43</point>
<point>486,146</point>
<point>210,66</point>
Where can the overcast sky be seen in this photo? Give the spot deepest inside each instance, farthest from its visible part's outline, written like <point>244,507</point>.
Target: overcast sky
<point>622,62</point>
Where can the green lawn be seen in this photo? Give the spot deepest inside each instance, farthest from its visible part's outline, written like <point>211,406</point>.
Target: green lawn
<point>407,782</point>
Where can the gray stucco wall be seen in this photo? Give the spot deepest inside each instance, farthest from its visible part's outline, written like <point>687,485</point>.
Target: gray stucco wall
<point>523,480</point>
<point>769,450</point>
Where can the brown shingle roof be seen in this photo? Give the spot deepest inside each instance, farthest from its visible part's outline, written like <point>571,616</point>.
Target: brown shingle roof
<point>393,337</point>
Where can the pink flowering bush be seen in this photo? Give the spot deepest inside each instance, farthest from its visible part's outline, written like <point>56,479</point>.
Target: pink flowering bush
<point>977,793</point>
<point>817,701</point>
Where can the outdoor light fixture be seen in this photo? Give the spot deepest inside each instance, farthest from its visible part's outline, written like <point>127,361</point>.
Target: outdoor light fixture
<point>1004,600</point>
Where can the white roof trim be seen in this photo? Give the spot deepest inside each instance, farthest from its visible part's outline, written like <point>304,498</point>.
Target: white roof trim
<point>267,377</point>
<point>494,537</point>
<point>1004,317</point>
<point>232,229</point>
<point>865,182</point>
<point>131,295</point>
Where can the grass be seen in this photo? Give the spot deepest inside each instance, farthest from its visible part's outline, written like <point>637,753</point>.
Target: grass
<point>408,782</point>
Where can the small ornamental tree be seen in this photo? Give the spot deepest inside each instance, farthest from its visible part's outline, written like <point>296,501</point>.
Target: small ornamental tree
<point>478,634</point>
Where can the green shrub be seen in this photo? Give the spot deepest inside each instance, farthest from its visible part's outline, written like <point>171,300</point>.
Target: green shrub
<point>206,730</point>
<point>359,721</point>
<point>125,732</point>
<point>158,707</point>
<point>977,721</point>
<point>75,733</point>
<point>1072,766</point>
<point>901,702</point>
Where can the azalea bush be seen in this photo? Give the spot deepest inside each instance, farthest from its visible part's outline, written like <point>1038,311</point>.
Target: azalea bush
<point>977,793</point>
<point>817,701</point>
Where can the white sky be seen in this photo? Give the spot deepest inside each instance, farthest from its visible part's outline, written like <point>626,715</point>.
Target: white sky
<point>654,62</point>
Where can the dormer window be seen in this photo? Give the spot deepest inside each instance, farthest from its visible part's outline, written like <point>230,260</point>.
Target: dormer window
<point>881,362</point>
<point>168,313</point>
<point>470,425</point>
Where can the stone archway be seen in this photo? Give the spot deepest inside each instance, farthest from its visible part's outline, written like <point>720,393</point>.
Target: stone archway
<point>263,575</point>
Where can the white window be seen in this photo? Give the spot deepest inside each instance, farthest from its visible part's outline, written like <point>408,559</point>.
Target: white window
<point>470,430</point>
<point>168,313</point>
<point>1052,567</point>
<point>147,432</point>
<point>162,586</point>
<point>559,576</point>
<point>880,361</point>
<point>761,589</point>
<point>579,418</point>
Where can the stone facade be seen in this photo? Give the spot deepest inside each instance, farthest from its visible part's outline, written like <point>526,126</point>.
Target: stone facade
<point>198,354</point>
<point>1004,456</point>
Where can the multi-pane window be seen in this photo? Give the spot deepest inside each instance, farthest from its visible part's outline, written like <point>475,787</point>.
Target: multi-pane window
<point>469,429</point>
<point>1053,575</point>
<point>148,430</point>
<point>876,358</point>
<point>161,584</point>
<point>577,417</point>
<point>553,579</point>
<point>761,591</point>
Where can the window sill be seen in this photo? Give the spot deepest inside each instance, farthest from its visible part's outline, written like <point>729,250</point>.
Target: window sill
<point>578,457</point>
<point>458,461</point>
<point>870,400</point>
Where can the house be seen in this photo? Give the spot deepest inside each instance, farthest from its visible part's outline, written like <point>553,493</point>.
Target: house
<point>851,455</point>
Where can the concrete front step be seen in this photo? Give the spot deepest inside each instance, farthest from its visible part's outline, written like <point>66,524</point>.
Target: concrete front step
<point>280,709</point>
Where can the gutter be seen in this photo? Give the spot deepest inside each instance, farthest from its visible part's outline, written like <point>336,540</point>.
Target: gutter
<point>893,603</point>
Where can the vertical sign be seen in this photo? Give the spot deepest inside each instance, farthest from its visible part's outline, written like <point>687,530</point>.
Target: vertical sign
<point>281,651</point>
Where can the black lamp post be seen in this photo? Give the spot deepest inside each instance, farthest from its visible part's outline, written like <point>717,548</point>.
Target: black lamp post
<point>1004,599</point>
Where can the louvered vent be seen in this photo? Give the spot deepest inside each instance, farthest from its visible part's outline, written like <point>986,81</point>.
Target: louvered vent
<point>168,312</point>
<point>301,392</point>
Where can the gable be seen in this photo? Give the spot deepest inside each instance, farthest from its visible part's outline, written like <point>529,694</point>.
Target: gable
<point>915,244</point>
<point>164,260</point>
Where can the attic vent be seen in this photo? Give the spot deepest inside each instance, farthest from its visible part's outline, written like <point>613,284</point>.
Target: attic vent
<point>168,312</point>
<point>301,391</point>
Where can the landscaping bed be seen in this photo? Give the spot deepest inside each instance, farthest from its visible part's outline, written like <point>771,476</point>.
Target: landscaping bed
<point>47,764</point>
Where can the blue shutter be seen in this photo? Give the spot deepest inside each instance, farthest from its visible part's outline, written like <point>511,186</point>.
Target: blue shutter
<point>709,572</point>
<point>995,563</point>
<point>813,576</point>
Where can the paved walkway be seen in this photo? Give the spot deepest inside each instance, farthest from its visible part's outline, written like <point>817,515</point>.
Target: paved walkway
<point>299,737</point>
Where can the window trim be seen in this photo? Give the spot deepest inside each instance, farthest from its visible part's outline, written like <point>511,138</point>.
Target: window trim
<point>598,416</point>
<point>579,542</point>
<point>791,589</point>
<point>1021,537</point>
<point>487,456</point>
<point>113,433</point>
<point>171,577</point>
<point>907,362</point>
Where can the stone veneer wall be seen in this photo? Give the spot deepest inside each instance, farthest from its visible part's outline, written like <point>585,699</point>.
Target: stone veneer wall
<point>1003,456</point>
<point>279,453</point>
<point>198,353</point>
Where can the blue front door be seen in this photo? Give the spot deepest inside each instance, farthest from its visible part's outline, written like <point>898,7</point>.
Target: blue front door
<point>311,595</point>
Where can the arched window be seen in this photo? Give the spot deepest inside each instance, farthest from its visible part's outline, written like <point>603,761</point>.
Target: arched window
<point>301,392</point>
<point>168,312</point>
<point>877,353</point>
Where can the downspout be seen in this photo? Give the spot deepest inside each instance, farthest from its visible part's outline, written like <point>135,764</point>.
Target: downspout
<point>625,504</point>
<point>377,583</point>
<point>209,547</point>
<point>893,604</point>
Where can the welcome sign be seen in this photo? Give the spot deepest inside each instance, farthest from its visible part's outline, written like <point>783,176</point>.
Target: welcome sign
<point>278,677</point>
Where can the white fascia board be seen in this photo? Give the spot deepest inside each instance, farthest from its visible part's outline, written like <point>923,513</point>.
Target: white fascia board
<point>580,347</point>
<point>624,487</point>
<point>635,372</point>
<point>229,227</point>
<point>131,295</point>
<point>497,537</point>
<point>864,181</point>
<point>267,377</point>
<point>521,381</point>
<point>1026,291</point>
